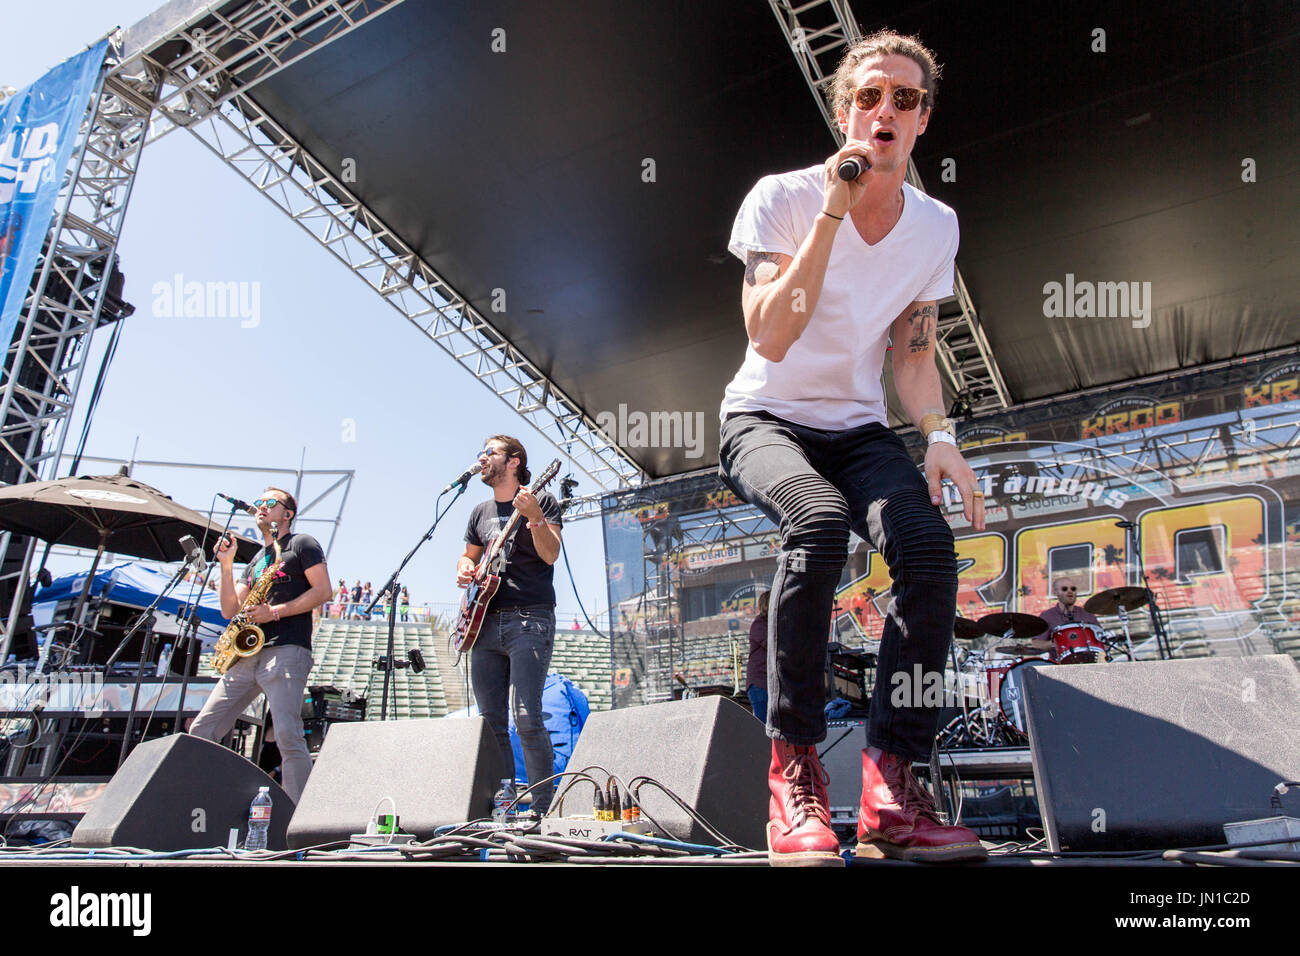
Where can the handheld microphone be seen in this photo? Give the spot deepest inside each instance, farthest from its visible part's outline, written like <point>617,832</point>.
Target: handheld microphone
<point>853,167</point>
<point>241,505</point>
<point>463,477</point>
<point>193,555</point>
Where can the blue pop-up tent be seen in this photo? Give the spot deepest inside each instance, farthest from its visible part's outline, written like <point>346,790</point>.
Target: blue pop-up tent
<point>565,709</point>
<point>134,584</point>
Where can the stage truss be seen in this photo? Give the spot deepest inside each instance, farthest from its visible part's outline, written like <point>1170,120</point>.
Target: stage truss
<point>204,90</point>
<point>55,332</point>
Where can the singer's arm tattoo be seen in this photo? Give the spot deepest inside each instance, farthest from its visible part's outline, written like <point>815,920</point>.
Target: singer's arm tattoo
<point>756,272</point>
<point>922,321</point>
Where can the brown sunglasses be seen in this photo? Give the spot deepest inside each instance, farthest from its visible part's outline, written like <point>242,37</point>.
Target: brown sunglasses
<point>906,98</point>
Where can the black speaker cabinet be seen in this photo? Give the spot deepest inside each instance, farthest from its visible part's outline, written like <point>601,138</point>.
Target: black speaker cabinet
<point>437,772</point>
<point>181,793</point>
<point>709,751</point>
<point>1160,754</point>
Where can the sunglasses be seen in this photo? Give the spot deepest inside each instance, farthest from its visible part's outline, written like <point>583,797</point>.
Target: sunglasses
<point>906,98</point>
<point>1067,589</point>
<point>267,502</point>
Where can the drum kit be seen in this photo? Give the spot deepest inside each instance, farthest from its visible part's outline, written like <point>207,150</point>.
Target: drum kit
<point>991,679</point>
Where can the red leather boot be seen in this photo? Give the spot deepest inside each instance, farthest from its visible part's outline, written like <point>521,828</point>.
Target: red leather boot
<point>897,817</point>
<point>799,825</point>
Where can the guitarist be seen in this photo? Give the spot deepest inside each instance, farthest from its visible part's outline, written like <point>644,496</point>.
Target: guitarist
<point>509,660</point>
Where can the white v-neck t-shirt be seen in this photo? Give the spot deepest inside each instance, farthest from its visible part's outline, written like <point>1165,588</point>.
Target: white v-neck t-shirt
<point>832,376</point>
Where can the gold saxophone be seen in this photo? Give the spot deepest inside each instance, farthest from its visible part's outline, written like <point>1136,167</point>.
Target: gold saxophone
<point>242,638</point>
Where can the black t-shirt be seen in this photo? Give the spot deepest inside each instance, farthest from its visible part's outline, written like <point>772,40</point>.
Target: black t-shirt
<point>300,552</point>
<point>527,579</point>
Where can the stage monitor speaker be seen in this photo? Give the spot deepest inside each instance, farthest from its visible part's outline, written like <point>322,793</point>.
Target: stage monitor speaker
<point>709,751</point>
<point>181,793</point>
<point>1160,754</point>
<point>438,772</point>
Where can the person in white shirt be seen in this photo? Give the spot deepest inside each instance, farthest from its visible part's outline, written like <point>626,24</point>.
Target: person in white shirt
<point>834,272</point>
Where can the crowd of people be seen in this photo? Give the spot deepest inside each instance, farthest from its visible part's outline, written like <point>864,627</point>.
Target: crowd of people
<point>351,603</point>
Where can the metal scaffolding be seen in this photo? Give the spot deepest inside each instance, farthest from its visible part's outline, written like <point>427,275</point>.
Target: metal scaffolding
<point>199,72</point>
<point>64,305</point>
<point>819,34</point>
<point>190,68</point>
<point>248,140</point>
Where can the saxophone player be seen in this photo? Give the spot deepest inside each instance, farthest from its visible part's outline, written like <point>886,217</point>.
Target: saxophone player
<point>280,669</point>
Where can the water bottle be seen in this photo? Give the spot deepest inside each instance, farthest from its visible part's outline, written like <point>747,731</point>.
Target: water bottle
<point>259,820</point>
<point>503,798</point>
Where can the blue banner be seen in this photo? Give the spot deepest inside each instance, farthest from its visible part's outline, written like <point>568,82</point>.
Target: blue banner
<point>38,130</point>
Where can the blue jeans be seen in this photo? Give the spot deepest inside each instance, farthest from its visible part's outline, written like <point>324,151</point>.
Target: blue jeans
<point>758,701</point>
<point>508,665</point>
<point>817,484</point>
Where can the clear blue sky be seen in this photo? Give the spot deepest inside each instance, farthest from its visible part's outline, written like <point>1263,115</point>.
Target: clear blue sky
<point>327,350</point>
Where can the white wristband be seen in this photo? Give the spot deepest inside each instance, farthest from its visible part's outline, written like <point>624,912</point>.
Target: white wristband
<point>941,436</point>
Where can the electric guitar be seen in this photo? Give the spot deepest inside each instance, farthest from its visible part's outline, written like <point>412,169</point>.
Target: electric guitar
<point>487,576</point>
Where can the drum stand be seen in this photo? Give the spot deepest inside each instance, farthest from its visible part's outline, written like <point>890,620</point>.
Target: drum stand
<point>1128,639</point>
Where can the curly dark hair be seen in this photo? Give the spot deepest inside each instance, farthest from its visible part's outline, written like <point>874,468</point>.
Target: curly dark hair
<point>514,449</point>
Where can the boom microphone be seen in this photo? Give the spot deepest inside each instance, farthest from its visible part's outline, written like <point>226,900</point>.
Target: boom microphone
<point>463,477</point>
<point>241,505</point>
<point>853,167</point>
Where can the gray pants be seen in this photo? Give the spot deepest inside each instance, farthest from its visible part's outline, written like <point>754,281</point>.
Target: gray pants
<point>508,668</point>
<point>281,674</point>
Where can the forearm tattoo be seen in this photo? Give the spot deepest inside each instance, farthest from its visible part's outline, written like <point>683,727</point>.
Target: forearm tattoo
<point>761,267</point>
<point>922,321</point>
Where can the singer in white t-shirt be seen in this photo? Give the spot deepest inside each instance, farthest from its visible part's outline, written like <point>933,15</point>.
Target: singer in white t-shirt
<point>837,273</point>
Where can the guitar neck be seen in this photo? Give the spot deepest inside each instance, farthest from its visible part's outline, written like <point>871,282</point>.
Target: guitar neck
<point>509,528</point>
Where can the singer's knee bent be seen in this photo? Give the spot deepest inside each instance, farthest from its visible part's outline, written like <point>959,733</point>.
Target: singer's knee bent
<point>814,521</point>
<point>914,539</point>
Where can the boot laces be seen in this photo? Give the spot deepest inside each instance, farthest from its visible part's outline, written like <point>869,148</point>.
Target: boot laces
<point>806,777</point>
<point>911,797</point>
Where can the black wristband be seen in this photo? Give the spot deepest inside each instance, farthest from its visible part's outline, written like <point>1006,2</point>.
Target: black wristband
<point>825,213</point>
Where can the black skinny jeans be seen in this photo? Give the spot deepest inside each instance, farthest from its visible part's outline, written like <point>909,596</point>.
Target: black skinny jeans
<point>816,485</point>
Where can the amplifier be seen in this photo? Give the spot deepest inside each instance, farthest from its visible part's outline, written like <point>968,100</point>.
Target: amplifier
<point>326,702</point>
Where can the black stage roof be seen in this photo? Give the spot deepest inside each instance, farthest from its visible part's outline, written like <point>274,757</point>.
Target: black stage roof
<point>523,171</point>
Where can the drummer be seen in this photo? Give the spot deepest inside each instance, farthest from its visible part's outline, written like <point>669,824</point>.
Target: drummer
<point>1065,611</point>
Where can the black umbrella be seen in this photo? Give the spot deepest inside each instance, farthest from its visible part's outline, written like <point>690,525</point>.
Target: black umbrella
<point>114,513</point>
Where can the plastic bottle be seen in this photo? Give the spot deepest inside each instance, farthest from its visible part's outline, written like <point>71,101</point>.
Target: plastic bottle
<point>259,820</point>
<point>502,799</point>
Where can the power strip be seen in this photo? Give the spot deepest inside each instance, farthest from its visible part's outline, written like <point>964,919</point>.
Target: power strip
<point>585,828</point>
<point>379,839</point>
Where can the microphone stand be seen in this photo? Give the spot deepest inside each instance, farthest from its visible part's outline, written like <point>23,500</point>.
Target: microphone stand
<point>187,636</point>
<point>1157,622</point>
<point>146,619</point>
<point>393,588</point>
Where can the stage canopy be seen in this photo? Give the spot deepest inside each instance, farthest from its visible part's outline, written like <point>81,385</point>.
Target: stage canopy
<point>133,584</point>
<point>572,167</point>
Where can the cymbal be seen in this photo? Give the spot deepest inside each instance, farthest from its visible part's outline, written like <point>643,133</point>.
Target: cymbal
<point>1021,625</point>
<point>1025,648</point>
<point>1109,602</point>
<point>964,629</point>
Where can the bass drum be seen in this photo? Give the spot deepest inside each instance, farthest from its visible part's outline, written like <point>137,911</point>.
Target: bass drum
<point>1011,694</point>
